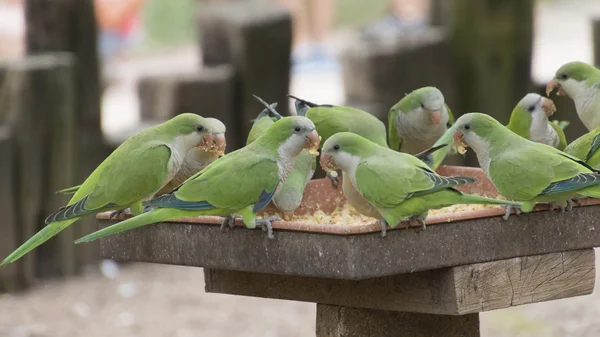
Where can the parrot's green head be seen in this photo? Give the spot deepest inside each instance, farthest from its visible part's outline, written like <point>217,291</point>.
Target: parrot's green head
<point>477,130</point>
<point>289,135</point>
<point>191,130</point>
<point>533,109</point>
<point>423,106</point>
<point>344,150</point>
<point>572,79</point>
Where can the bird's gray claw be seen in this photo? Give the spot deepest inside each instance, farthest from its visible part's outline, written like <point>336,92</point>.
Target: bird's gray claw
<point>569,205</point>
<point>228,220</point>
<point>266,226</point>
<point>334,180</point>
<point>509,208</point>
<point>148,208</point>
<point>118,213</point>
<point>383,224</point>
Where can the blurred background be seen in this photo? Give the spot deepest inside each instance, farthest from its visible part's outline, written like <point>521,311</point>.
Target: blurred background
<point>77,77</point>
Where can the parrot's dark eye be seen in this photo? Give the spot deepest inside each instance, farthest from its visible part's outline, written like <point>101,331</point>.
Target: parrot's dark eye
<point>422,106</point>
<point>297,129</point>
<point>531,108</point>
<point>336,147</point>
<point>467,126</point>
<point>564,76</point>
<point>199,128</point>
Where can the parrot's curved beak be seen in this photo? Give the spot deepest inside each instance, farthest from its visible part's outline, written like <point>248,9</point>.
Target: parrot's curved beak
<point>553,85</point>
<point>214,143</point>
<point>459,142</point>
<point>436,117</point>
<point>311,143</point>
<point>327,163</point>
<point>548,106</point>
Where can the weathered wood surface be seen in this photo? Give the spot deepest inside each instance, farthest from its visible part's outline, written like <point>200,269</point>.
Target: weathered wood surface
<point>450,291</point>
<point>255,38</point>
<point>208,92</point>
<point>70,25</point>
<point>491,56</point>
<point>11,276</point>
<point>41,112</point>
<point>357,256</point>
<point>336,321</point>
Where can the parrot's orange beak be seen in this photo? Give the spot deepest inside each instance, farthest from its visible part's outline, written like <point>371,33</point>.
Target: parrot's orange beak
<point>459,142</point>
<point>311,143</point>
<point>327,163</point>
<point>548,106</point>
<point>436,117</point>
<point>553,85</point>
<point>214,143</point>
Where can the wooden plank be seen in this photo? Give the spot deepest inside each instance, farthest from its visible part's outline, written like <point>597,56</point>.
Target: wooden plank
<point>450,291</point>
<point>357,256</point>
<point>336,321</point>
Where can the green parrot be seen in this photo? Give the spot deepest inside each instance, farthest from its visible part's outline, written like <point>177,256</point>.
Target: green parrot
<point>581,82</point>
<point>398,184</point>
<point>523,170</point>
<point>586,148</point>
<point>242,182</point>
<point>418,120</point>
<point>133,173</point>
<point>529,119</point>
<point>290,195</point>
<point>195,160</point>
<point>330,120</point>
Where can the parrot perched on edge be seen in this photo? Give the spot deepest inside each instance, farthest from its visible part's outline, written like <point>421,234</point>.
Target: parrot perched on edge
<point>290,195</point>
<point>195,160</point>
<point>529,119</point>
<point>242,182</point>
<point>581,82</point>
<point>399,185</point>
<point>131,174</point>
<point>523,170</point>
<point>330,120</point>
<point>418,120</point>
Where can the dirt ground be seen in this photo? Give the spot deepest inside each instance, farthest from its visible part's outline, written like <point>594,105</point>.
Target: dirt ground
<point>158,301</point>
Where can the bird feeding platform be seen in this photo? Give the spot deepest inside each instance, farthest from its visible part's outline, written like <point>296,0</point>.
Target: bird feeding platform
<point>413,282</point>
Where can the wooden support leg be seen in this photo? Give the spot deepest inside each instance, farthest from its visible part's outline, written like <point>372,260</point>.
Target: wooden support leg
<point>337,321</point>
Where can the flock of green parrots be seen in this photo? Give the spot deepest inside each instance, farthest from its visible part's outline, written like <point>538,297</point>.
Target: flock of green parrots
<point>178,168</point>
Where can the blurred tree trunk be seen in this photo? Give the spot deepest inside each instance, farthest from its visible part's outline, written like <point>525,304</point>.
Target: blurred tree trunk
<point>70,25</point>
<point>596,41</point>
<point>492,48</point>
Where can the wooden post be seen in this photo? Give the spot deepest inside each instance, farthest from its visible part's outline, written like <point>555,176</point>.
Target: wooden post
<point>41,111</point>
<point>491,55</point>
<point>70,25</point>
<point>255,37</point>
<point>596,40</point>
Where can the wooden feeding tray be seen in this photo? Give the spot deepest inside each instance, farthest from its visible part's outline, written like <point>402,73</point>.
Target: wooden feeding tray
<point>461,264</point>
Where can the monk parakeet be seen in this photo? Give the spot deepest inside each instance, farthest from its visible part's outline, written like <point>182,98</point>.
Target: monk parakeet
<point>133,173</point>
<point>399,185</point>
<point>418,120</point>
<point>581,82</point>
<point>290,195</point>
<point>213,146</point>
<point>242,182</point>
<point>586,148</point>
<point>523,170</point>
<point>330,120</point>
<point>529,119</point>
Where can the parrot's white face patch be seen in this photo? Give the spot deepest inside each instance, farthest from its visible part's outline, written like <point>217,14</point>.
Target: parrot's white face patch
<point>347,162</point>
<point>288,151</point>
<point>573,88</point>
<point>481,148</point>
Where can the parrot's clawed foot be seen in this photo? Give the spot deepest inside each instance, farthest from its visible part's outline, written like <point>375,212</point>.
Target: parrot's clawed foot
<point>569,205</point>
<point>120,212</point>
<point>418,220</point>
<point>383,224</point>
<point>509,208</point>
<point>148,208</point>
<point>266,226</point>
<point>228,221</point>
<point>333,177</point>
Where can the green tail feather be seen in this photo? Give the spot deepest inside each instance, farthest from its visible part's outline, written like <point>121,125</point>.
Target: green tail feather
<point>40,237</point>
<point>475,199</point>
<point>70,190</point>
<point>154,216</point>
